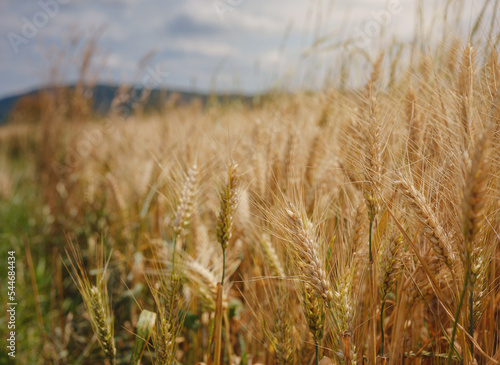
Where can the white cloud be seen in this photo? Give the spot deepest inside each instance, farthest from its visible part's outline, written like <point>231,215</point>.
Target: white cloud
<point>192,39</point>
<point>205,48</point>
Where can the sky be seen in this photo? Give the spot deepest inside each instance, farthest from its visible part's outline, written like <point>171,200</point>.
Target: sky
<point>202,45</point>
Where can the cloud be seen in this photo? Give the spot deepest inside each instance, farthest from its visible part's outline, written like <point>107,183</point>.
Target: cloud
<point>209,49</point>
<point>185,25</point>
<point>117,61</point>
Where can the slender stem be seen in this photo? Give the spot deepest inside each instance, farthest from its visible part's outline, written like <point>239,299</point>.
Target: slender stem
<point>174,251</point>
<point>316,345</point>
<point>471,321</point>
<point>218,313</point>
<point>382,327</point>
<point>227,337</point>
<point>457,314</point>
<point>373,322</point>
<point>370,254</point>
<point>218,326</point>
<point>223,266</point>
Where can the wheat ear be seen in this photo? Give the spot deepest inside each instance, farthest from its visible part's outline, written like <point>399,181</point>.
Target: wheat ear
<point>472,217</point>
<point>415,129</point>
<point>314,310</point>
<point>95,298</point>
<point>271,256</point>
<point>228,203</point>
<point>389,263</point>
<point>167,299</point>
<point>284,343</point>
<point>432,229</point>
<point>306,250</point>
<point>465,83</point>
<point>186,201</point>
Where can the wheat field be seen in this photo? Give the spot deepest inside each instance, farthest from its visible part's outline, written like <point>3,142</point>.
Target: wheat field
<point>343,226</point>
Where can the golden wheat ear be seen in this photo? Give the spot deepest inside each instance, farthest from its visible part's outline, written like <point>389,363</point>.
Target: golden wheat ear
<point>186,201</point>
<point>229,198</point>
<point>433,230</point>
<point>170,307</point>
<point>95,297</point>
<point>283,337</point>
<point>389,263</point>
<point>271,256</point>
<point>305,248</point>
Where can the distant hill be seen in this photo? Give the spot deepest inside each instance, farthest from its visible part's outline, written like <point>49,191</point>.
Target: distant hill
<point>103,95</point>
